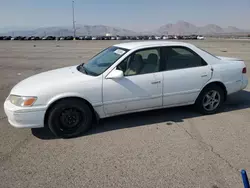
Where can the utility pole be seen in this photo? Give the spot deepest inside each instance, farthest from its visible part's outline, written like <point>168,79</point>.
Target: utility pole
<point>74,23</point>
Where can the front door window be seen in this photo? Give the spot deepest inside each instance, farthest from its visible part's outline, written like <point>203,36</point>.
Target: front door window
<point>141,62</point>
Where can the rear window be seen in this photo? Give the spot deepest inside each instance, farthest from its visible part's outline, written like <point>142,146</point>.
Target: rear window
<point>209,53</point>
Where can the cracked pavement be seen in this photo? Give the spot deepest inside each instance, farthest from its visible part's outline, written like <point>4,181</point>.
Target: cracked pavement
<point>174,147</point>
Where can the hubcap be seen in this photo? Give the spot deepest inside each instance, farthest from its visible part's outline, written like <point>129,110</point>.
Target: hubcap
<point>70,118</point>
<point>211,100</point>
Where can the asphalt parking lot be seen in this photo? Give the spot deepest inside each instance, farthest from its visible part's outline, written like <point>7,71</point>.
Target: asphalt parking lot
<point>174,147</point>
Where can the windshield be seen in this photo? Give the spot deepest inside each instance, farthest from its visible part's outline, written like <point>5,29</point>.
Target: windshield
<point>102,61</point>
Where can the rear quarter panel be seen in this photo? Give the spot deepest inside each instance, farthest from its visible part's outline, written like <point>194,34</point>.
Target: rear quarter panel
<point>230,74</point>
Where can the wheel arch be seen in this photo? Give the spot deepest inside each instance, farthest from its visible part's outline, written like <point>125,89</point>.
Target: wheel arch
<point>218,83</point>
<point>60,98</point>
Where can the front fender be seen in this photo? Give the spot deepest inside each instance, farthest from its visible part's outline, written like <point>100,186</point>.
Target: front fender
<point>98,108</point>
<point>65,95</point>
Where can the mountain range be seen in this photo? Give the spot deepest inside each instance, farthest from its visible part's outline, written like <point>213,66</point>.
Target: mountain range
<point>179,28</point>
<point>183,28</point>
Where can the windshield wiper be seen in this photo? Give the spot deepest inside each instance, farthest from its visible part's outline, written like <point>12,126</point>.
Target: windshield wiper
<point>83,69</point>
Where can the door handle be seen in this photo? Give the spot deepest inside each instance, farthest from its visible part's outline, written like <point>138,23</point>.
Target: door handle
<point>204,75</point>
<point>156,82</point>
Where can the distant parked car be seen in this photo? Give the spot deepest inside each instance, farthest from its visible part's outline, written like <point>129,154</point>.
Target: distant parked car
<point>30,38</point>
<point>144,38</point>
<point>35,38</point>
<point>164,37</point>
<point>171,37</point>
<point>1,37</point>
<point>200,38</point>
<point>133,38</point>
<point>140,37</point>
<point>193,37</point>
<point>179,37</point>
<point>18,38</point>
<point>123,38</point>
<point>107,38</point>
<point>49,38</point>
<point>88,38</point>
<point>7,38</point>
<point>185,37</point>
<point>69,38</point>
<point>98,38</point>
<point>101,38</point>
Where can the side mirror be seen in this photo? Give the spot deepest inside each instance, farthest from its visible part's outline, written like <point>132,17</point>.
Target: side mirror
<point>115,74</point>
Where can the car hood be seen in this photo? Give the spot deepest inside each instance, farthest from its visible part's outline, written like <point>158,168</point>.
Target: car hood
<point>229,58</point>
<point>49,80</point>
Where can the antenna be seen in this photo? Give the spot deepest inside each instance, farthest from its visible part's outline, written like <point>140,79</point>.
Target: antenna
<point>74,23</point>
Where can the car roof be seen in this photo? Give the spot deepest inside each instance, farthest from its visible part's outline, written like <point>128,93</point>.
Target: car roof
<point>147,44</point>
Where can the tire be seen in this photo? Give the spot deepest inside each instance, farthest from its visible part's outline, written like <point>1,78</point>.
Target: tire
<point>217,98</point>
<point>69,118</point>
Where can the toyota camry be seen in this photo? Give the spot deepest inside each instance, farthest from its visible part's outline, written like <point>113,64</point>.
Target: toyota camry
<point>124,78</point>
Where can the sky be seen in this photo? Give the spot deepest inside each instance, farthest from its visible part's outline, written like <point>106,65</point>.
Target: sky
<point>137,15</point>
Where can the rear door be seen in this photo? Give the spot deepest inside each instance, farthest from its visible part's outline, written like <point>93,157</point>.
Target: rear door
<point>185,74</point>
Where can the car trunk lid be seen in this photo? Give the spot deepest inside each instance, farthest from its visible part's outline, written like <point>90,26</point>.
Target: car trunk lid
<point>229,58</point>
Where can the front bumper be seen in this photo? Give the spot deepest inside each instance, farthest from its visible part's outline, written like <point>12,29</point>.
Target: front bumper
<point>24,117</point>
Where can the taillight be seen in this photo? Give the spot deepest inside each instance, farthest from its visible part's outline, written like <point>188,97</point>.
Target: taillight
<point>244,70</point>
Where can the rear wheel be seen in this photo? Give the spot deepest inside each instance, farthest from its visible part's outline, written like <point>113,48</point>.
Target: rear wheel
<point>69,118</point>
<point>210,99</point>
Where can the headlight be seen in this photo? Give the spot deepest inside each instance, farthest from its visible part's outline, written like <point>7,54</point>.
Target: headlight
<point>22,101</point>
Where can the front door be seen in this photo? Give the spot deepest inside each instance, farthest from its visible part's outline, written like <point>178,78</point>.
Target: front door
<point>141,86</point>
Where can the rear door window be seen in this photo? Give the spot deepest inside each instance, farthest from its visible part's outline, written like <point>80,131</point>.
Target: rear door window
<point>181,58</point>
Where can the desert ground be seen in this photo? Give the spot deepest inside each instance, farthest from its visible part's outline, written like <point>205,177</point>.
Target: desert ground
<point>174,147</point>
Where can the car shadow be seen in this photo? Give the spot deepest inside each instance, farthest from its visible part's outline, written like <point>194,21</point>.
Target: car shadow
<point>237,101</point>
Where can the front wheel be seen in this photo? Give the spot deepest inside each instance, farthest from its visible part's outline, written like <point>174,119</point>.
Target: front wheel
<point>210,99</point>
<point>69,118</point>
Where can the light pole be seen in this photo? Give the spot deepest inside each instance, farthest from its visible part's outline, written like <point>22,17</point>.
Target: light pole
<point>74,23</point>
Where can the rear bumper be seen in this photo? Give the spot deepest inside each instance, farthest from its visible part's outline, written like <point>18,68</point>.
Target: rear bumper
<point>31,117</point>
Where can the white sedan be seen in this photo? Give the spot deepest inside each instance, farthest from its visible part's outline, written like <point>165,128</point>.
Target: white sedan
<point>124,78</point>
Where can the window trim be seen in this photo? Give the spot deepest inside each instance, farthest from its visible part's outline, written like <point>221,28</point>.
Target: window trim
<point>165,56</point>
<point>158,48</point>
